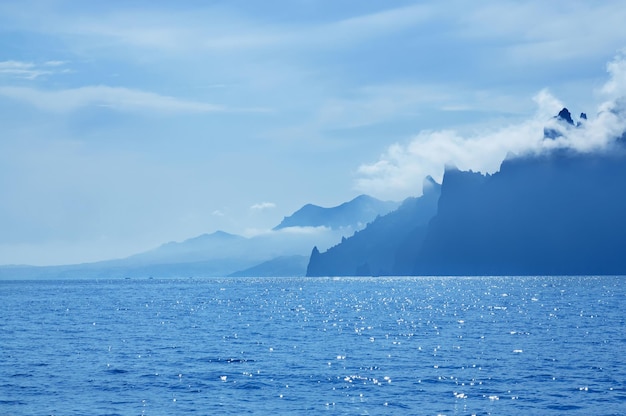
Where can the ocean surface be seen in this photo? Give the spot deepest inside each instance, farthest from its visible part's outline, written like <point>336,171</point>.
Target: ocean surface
<point>296,346</point>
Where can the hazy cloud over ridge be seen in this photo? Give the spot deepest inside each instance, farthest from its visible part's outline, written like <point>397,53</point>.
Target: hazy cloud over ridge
<point>400,170</point>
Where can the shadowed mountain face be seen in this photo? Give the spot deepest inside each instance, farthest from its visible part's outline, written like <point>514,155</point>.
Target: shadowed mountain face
<point>562,213</point>
<point>557,214</point>
<point>566,116</point>
<point>373,250</point>
<point>355,214</point>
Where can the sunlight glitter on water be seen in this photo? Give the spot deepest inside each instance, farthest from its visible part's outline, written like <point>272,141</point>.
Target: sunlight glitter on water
<point>441,346</point>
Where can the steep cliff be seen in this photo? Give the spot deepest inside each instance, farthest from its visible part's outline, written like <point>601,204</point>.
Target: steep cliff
<point>559,213</point>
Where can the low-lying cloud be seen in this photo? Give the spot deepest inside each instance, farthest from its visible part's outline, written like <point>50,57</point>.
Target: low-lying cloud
<point>401,168</point>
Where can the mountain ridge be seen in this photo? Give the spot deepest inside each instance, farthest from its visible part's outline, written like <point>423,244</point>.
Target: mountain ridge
<point>218,253</point>
<point>354,213</point>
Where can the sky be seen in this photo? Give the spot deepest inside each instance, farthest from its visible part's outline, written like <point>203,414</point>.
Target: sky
<point>128,124</point>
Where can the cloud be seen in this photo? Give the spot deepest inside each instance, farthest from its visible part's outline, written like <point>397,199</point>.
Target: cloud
<point>118,98</point>
<point>308,230</point>
<point>54,63</point>
<point>217,213</point>
<point>615,88</point>
<point>263,206</point>
<point>401,168</point>
<point>28,70</point>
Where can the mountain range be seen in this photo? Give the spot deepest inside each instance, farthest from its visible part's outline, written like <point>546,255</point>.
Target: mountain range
<point>282,251</point>
<point>355,213</point>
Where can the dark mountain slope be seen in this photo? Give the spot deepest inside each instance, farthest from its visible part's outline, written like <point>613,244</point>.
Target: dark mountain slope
<point>373,250</point>
<point>557,214</point>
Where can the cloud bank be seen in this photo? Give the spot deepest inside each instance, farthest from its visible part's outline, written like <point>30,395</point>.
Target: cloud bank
<point>401,168</point>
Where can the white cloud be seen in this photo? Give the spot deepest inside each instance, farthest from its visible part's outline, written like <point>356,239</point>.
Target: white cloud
<point>118,98</point>
<point>54,63</point>
<point>615,88</point>
<point>263,206</point>
<point>217,213</point>
<point>400,170</point>
<point>24,70</point>
<point>305,230</point>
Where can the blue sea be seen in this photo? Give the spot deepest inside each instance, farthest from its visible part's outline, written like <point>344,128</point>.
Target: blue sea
<point>295,346</point>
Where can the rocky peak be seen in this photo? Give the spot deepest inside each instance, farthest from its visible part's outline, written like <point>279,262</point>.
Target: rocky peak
<point>566,116</point>
<point>565,119</point>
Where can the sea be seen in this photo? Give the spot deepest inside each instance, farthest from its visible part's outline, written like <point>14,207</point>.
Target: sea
<point>300,346</point>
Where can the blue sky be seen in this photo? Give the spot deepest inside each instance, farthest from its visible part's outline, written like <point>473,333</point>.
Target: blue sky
<point>126,124</point>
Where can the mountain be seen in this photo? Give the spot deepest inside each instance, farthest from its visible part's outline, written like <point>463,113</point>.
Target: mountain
<point>557,214</point>
<point>561,212</point>
<point>206,246</point>
<point>374,249</point>
<point>209,255</point>
<point>355,214</point>
<point>561,123</point>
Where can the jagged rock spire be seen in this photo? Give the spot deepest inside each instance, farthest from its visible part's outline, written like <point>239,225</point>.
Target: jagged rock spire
<point>565,115</point>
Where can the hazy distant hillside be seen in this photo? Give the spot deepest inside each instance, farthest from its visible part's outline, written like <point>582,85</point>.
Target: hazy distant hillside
<point>206,246</point>
<point>280,252</point>
<point>355,213</point>
<point>374,249</point>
